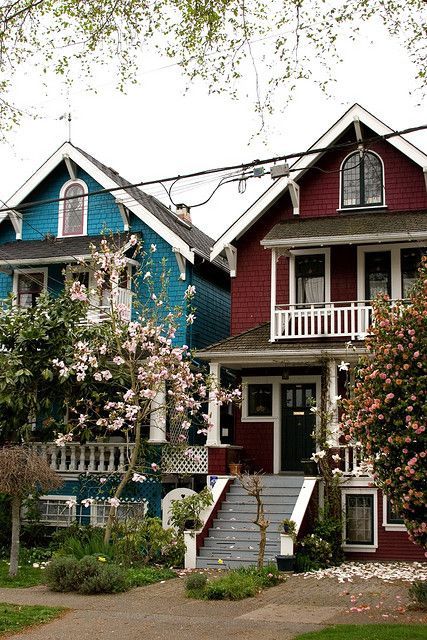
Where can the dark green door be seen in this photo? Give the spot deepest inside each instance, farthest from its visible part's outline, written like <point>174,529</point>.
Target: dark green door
<point>298,423</point>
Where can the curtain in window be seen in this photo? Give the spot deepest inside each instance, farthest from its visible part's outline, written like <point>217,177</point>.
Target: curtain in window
<point>310,278</point>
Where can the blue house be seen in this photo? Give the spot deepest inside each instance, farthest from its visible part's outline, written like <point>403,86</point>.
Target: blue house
<point>66,205</point>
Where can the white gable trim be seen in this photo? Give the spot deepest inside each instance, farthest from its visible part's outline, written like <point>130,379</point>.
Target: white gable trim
<point>106,183</point>
<point>299,168</point>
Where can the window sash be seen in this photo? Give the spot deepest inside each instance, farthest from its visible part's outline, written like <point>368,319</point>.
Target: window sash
<point>73,211</point>
<point>310,278</point>
<point>359,519</point>
<point>30,286</point>
<point>260,400</point>
<point>362,181</point>
<point>410,260</point>
<point>377,273</point>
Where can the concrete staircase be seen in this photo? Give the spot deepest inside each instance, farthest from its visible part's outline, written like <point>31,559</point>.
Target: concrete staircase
<point>234,538</point>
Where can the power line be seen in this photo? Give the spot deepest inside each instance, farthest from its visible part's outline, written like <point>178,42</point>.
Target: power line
<point>242,167</point>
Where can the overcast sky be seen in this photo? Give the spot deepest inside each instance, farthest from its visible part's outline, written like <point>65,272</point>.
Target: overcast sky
<point>158,129</point>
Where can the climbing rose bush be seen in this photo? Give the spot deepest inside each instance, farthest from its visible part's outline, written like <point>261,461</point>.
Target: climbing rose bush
<point>387,413</point>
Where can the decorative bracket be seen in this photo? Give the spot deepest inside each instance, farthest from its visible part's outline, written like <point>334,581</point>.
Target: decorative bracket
<point>281,251</point>
<point>182,263</point>
<point>358,130</point>
<point>16,220</point>
<point>124,213</point>
<point>71,167</point>
<point>294,191</point>
<point>231,255</point>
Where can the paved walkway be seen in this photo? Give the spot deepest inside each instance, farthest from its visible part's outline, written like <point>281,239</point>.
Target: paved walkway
<point>162,612</point>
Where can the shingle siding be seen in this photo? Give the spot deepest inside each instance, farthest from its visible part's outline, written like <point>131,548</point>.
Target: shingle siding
<point>212,313</point>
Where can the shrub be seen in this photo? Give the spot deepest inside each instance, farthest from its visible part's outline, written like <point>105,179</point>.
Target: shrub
<point>266,577</point>
<point>189,509</point>
<point>418,594</point>
<point>89,575</point>
<point>196,582</point>
<point>303,563</point>
<point>61,574</point>
<point>146,541</point>
<point>329,528</point>
<point>317,550</point>
<point>81,542</point>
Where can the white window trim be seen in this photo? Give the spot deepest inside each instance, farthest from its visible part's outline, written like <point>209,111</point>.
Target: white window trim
<point>276,417</point>
<point>388,526</point>
<point>292,281</point>
<point>366,206</point>
<point>396,273</point>
<point>104,503</point>
<point>18,272</point>
<point>71,510</point>
<point>62,204</point>
<point>360,548</point>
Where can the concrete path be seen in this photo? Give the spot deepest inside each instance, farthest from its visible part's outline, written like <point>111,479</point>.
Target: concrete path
<point>162,612</point>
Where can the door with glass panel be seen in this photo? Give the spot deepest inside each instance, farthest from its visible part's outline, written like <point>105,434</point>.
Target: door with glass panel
<point>298,424</point>
<point>377,274</point>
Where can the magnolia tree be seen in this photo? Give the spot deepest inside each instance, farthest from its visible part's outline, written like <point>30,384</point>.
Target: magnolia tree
<point>387,412</point>
<point>143,368</point>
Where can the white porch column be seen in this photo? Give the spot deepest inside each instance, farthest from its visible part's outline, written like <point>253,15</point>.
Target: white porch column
<point>273,327</point>
<point>214,411</point>
<point>158,418</point>
<point>332,394</point>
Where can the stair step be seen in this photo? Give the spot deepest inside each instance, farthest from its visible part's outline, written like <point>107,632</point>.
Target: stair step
<point>223,554</point>
<point>267,500</point>
<point>251,508</point>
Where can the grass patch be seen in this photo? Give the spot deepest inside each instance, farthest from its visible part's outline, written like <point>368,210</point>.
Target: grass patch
<point>234,585</point>
<point>141,576</point>
<point>15,617</point>
<point>28,576</point>
<point>368,632</point>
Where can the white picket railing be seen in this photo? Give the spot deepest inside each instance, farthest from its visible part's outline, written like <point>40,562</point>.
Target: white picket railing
<point>92,457</point>
<point>353,458</point>
<point>329,320</point>
<point>121,297</point>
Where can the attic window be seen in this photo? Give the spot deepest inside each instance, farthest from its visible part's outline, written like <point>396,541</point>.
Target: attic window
<point>362,180</point>
<point>73,209</point>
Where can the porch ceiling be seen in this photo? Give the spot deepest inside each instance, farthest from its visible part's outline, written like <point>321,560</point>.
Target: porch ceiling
<point>254,347</point>
<point>358,228</point>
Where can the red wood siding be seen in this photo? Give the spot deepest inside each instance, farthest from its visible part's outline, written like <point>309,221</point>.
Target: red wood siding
<point>250,303</point>
<point>257,441</point>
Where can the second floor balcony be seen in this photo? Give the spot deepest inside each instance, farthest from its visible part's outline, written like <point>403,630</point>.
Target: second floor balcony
<point>349,319</point>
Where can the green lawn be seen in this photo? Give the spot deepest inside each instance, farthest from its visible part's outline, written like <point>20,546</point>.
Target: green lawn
<point>368,632</point>
<point>28,576</point>
<point>141,576</point>
<point>14,617</point>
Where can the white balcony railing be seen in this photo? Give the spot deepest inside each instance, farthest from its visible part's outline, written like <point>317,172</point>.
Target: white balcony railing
<point>327,320</point>
<point>353,461</point>
<point>121,297</point>
<point>101,457</point>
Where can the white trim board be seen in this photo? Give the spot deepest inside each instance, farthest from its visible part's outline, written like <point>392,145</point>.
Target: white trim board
<point>269,197</point>
<point>99,176</point>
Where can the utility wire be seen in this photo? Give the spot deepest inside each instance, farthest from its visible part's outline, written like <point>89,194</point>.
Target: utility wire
<point>242,167</point>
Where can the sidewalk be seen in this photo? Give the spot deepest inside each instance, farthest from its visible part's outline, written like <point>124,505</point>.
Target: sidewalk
<point>162,612</point>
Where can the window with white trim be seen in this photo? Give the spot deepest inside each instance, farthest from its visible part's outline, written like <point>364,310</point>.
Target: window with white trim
<point>57,511</point>
<point>72,216</point>
<point>260,400</point>
<point>99,512</point>
<point>362,180</point>
<point>29,287</point>
<point>310,278</point>
<point>359,518</point>
<point>410,261</point>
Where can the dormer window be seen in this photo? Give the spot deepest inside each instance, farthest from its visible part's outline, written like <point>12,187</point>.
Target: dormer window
<point>72,220</point>
<point>362,181</point>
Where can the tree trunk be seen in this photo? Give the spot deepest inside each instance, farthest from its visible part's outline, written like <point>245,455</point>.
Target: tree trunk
<point>16,526</point>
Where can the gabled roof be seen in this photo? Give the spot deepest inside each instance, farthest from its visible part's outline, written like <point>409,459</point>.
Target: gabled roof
<point>299,168</point>
<point>354,227</point>
<point>182,236</point>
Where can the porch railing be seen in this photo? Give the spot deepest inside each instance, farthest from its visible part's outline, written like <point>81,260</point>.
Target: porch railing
<point>121,298</point>
<point>328,320</point>
<point>353,461</point>
<point>92,457</point>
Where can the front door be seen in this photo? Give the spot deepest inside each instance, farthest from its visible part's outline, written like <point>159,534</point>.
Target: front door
<point>298,424</point>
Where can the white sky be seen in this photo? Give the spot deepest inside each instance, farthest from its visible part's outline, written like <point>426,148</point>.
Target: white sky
<point>157,129</point>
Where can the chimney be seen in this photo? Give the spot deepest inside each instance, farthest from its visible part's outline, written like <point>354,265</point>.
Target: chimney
<point>183,213</point>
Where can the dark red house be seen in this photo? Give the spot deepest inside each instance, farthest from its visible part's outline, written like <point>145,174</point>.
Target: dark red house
<point>306,259</point>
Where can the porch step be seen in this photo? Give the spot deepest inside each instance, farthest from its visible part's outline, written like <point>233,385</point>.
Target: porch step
<point>234,538</point>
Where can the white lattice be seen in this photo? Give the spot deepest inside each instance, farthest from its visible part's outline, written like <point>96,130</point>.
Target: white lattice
<point>185,459</point>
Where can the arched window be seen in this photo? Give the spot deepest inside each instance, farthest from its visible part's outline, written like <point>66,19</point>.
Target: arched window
<point>362,180</point>
<point>73,209</point>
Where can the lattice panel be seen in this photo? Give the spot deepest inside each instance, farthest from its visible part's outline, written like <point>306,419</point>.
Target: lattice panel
<point>184,460</point>
<point>177,435</point>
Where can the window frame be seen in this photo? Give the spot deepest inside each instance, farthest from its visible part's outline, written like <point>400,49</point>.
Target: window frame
<point>61,210</point>
<point>381,205</point>
<point>103,504</point>
<point>72,511</point>
<point>18,272</point>
<point>359,546</point>
<point>292,273</point>
<point>390,526</point>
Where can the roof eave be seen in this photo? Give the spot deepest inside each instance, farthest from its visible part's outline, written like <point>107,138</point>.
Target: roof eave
<point>344,239</point>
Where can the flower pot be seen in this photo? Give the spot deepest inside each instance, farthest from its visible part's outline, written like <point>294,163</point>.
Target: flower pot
<point>310,467</point>
<point>285,563</point>
<point>235,468</point>
<point>190,524</point>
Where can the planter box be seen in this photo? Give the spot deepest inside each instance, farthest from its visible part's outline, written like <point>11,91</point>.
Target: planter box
<point>285,563</point>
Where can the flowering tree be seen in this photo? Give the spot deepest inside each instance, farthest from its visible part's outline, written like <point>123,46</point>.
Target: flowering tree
<point>388,411</point>
<point>138,362</point>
